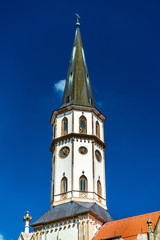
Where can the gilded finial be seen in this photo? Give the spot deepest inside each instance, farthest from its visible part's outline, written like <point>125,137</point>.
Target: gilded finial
<point>78,17</point>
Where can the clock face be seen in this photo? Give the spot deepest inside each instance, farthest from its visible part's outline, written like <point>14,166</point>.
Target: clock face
<point>98,155</point>
<point>64,152</point>
<point>83,150</point>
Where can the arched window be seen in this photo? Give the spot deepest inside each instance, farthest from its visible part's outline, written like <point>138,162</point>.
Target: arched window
<point>83,184</point>
<point>64,184</point>
<point>99,188</point>
<point>82,124</point>
<point>64,126</point>
<point>54,130</point>
<point>97,129</point>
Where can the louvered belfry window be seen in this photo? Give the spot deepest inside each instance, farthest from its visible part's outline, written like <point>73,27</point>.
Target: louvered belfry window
<point>64,126</point>
<point>82,124</point>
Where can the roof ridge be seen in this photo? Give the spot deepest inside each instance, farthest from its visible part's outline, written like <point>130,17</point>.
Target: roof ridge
<point>137,216</point>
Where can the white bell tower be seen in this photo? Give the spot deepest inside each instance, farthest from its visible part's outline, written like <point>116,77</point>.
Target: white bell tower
<point>78,192</point>
<point>78,161</point>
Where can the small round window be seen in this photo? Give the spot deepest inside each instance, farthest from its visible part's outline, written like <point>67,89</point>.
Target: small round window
<point>83,150</point>
<point>64,152</point>
<point>98,155</point>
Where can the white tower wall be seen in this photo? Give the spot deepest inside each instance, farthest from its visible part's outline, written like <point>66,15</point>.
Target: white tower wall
<point>76,164</point>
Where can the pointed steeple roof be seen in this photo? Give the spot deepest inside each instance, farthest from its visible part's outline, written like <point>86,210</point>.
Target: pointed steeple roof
<point>78,88</point>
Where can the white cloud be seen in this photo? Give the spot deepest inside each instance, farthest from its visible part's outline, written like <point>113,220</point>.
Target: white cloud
<point>1,237</point>
<point>59,87</point>
<point>99,103</point>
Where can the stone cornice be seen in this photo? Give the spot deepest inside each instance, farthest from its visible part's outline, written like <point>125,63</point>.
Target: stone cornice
<point>78,192</point>
<point>77,135</point>
<point>76,107</point>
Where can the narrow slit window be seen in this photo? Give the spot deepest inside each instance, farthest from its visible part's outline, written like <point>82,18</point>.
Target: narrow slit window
<point>99,188</point>
<point>97,129</point>
<point>67,99</point>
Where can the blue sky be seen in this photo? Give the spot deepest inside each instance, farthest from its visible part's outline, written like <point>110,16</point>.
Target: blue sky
<point>122,47</point>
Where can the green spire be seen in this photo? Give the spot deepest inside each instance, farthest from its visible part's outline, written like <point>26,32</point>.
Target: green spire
<point>78,88</point>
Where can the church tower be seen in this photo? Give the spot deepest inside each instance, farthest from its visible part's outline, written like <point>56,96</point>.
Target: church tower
<point>78,192</point>
<point>78,163</point>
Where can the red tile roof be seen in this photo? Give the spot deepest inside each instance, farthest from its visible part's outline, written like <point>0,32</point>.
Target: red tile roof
<point>127,228</point>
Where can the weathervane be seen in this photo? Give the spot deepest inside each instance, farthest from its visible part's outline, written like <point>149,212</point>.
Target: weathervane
<point>78,17</point>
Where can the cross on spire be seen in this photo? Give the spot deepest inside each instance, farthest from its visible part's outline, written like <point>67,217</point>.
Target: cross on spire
<point>78,17</point>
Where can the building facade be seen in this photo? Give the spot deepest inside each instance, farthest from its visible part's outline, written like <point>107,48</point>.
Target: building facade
<point>78,192</point>
<point>78,208</point>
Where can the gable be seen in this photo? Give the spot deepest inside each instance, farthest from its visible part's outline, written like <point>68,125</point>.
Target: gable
<point>127,228</point>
